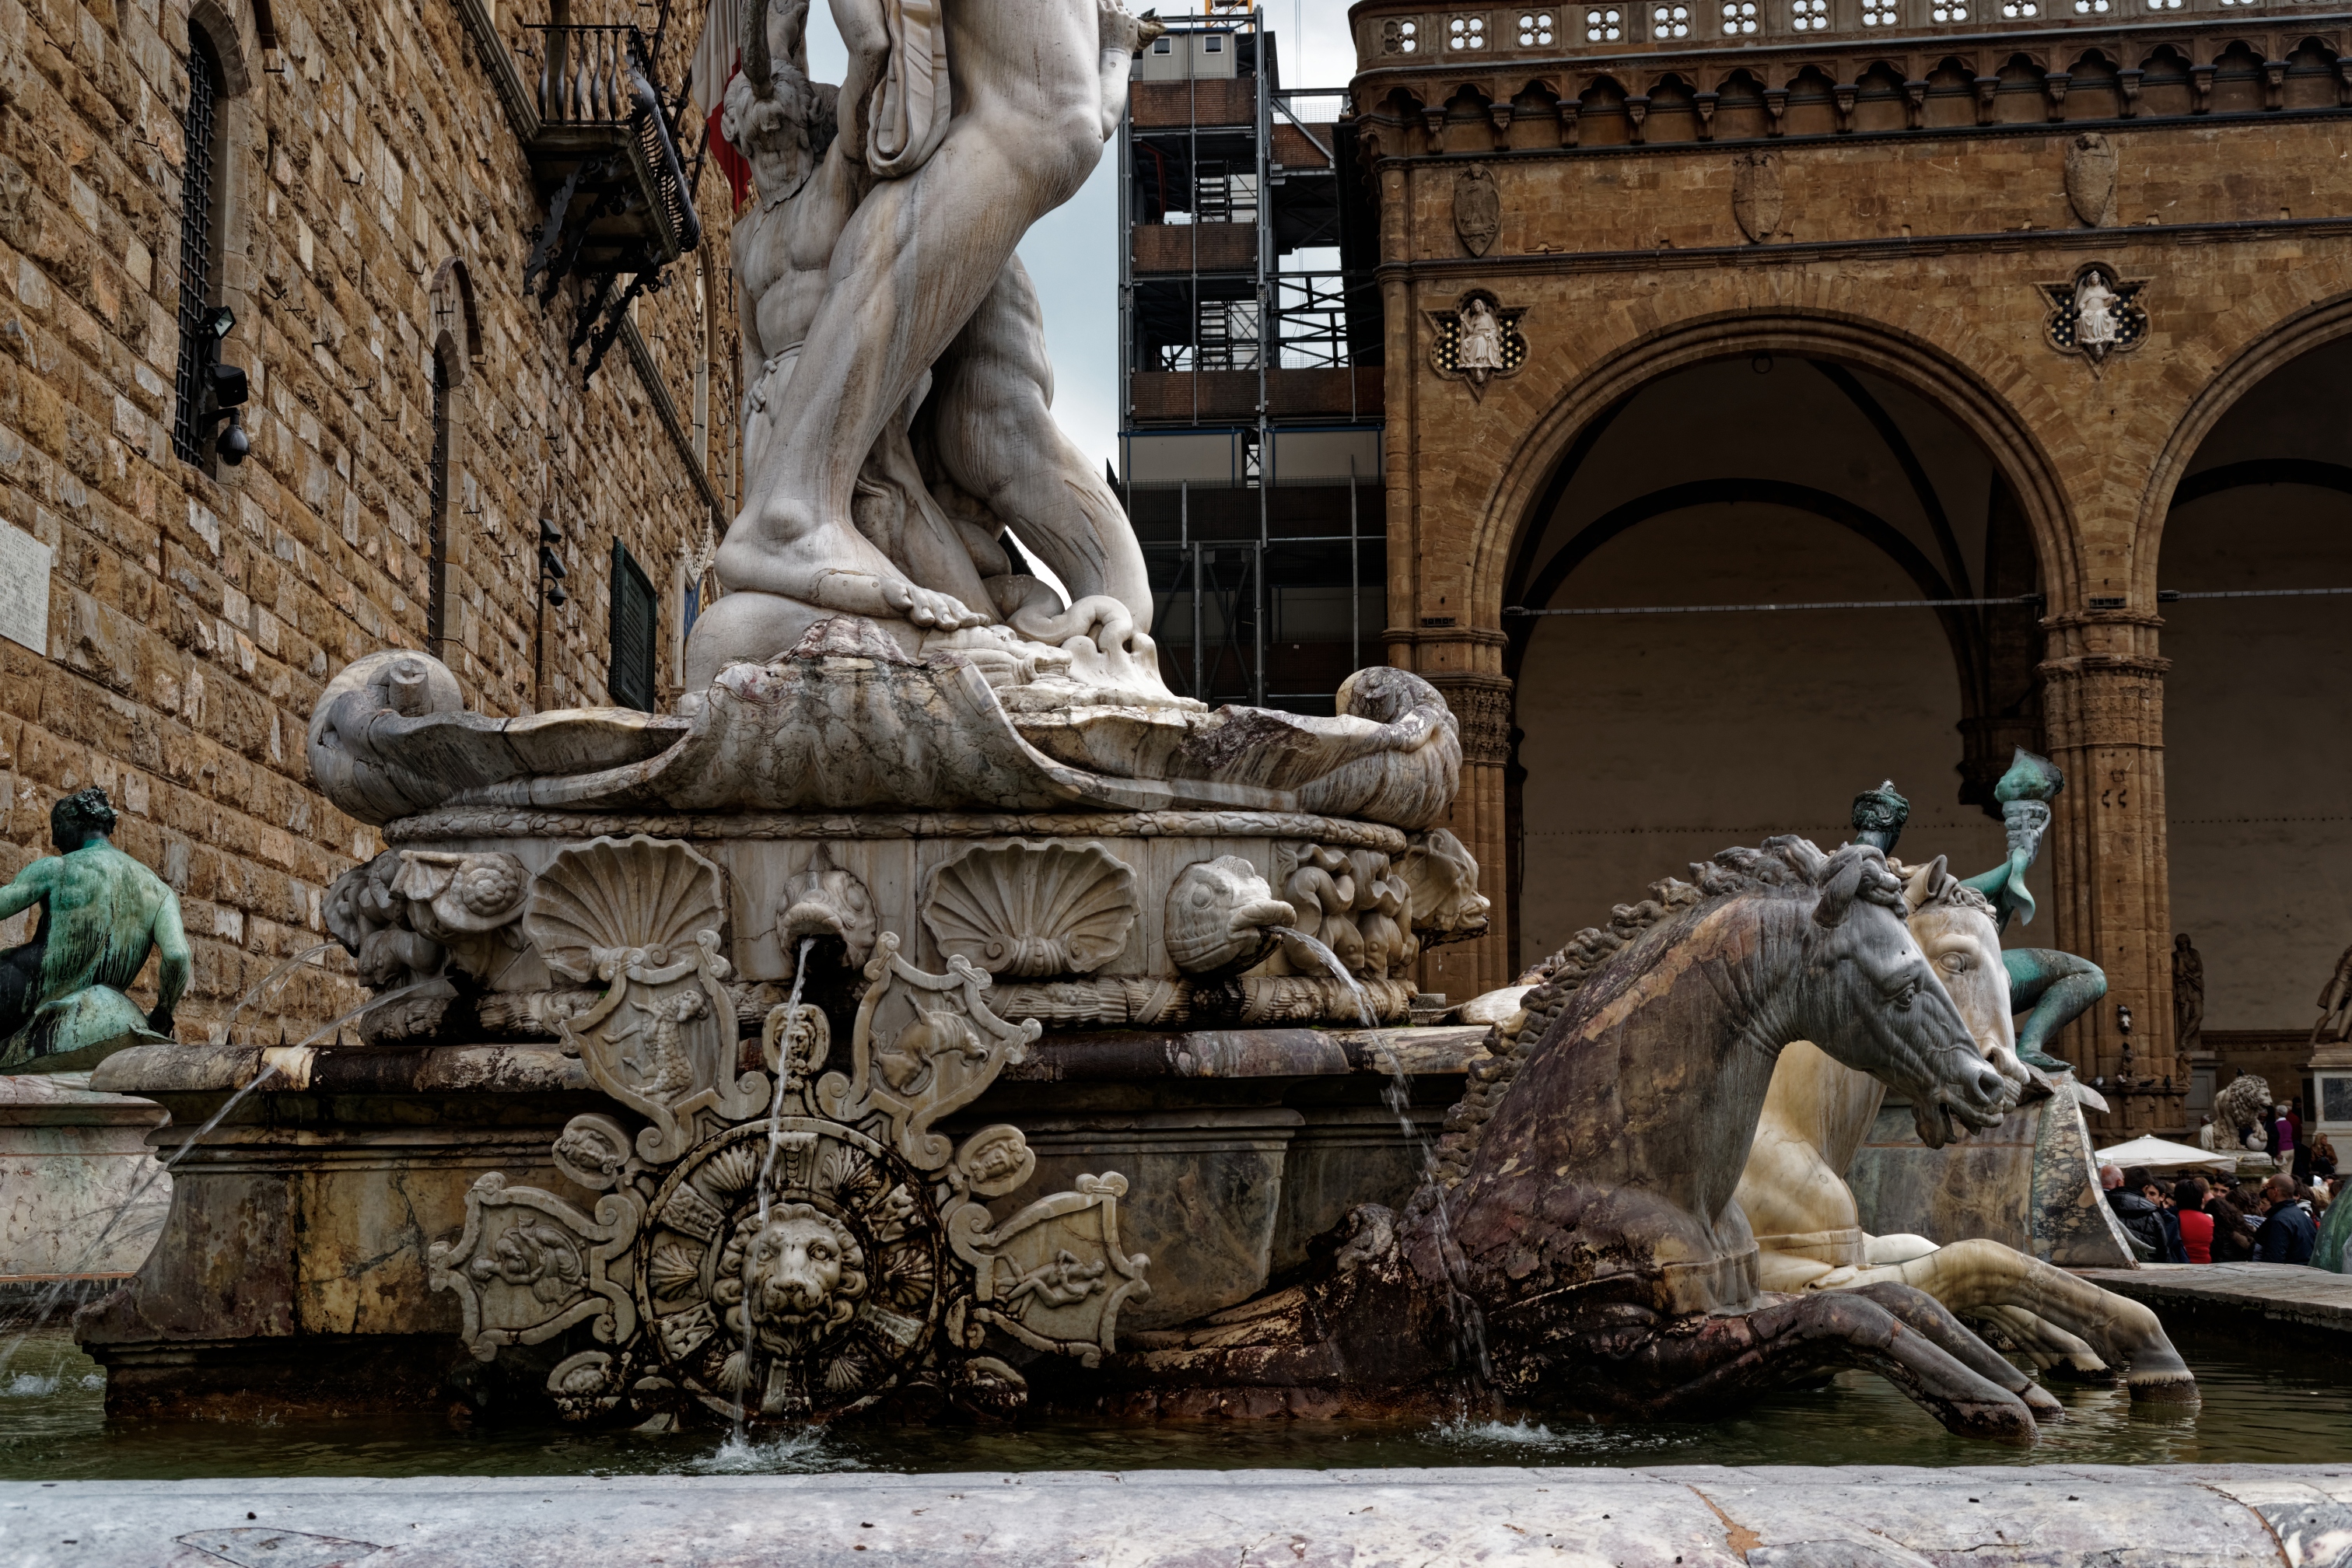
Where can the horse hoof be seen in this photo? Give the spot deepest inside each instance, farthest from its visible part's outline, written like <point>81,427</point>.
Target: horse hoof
<point>2163,1387</point>
<point>2009,1422</point>
<point>2044,1405</point>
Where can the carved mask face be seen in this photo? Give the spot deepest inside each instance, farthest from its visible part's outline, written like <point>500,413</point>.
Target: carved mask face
<point>802,1272</point>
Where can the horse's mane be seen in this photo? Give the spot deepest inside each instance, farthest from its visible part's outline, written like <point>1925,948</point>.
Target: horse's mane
<point>1786,866</point>
<point>1949,892</point>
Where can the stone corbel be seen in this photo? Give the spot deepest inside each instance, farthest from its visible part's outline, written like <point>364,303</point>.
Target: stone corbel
<point>1433,121</point>
<point>1915,102</point>
<point>1637,109</point>
<point>2054,86</point>
<point>1501,114</point>
<point>1844,94</point>
<point>1986,86</point>
<point>2200,89</point>
<point>2128,82</point>
<point>2273,84</point>
<point>1705,102</point>
<point>2344,81</point>
<point>1571,110</point>
<point>1775,104</point>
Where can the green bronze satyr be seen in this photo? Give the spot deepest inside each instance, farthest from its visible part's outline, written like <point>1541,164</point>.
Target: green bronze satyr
<point>62,1006</point>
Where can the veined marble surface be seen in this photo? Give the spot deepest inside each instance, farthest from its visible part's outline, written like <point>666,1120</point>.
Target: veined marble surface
<point>1697,1516</point>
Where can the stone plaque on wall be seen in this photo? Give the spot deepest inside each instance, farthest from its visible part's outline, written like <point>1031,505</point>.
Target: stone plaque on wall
<point>25,589</point>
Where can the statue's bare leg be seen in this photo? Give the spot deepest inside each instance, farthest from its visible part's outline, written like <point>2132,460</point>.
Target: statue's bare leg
<point>1971,1274</point>
<point>996,435</point>
<point>916,259</point>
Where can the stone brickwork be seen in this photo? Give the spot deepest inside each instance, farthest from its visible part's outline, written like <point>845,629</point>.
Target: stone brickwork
<point>1915,241</point>
<point>373,201</point>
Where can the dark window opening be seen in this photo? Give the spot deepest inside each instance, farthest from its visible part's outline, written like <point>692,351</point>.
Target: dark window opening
<point>436,604</point>
<point>635,615</point>
<point>188,422</point>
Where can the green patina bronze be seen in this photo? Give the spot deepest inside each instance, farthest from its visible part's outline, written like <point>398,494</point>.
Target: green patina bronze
<point>62,1001</point>
<point>2051,988</point>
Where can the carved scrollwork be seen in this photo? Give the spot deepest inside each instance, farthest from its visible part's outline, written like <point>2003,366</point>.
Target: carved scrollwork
<point>528,1266</point>
<point>924,1045</point>
<point>643,916</point>
<point>1052,1275</point>
<point>783,1261</point>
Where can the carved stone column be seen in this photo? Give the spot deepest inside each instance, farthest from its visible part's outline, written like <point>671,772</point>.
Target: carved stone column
<point>1482,705</point>
<point>2102,701</point>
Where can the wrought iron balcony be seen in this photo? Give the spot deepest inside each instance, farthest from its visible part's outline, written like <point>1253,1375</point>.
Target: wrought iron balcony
<point>619,203</point>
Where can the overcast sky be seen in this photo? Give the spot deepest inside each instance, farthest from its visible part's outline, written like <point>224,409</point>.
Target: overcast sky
<point>1073,254</point>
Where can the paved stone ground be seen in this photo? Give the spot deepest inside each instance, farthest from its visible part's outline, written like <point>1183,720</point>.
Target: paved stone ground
<point>2283,1292</point>
<point>2299,1516</point>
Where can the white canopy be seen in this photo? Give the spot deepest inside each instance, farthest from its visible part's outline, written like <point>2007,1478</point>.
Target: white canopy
<point>2159,1154</point>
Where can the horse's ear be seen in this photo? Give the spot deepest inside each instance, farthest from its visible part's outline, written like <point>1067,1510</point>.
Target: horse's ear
<point>1837,894</point>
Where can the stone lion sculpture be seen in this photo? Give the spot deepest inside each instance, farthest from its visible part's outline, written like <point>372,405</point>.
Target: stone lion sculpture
<point>2238,1114</point>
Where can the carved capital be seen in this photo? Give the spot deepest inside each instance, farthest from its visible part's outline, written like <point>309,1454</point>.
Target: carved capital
<point>1482,707</point>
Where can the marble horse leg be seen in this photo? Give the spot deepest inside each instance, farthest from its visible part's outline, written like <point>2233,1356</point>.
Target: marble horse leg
<point>1970,1275</point>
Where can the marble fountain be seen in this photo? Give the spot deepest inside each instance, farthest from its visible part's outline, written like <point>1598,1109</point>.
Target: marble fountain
<point>934,1019</point>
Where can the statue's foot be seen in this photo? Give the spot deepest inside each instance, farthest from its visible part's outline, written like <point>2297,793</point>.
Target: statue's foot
<point>2031,1056</point>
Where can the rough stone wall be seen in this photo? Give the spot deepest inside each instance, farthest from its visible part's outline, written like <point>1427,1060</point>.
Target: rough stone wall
<point>1921,253</point>
<point>194,616</point>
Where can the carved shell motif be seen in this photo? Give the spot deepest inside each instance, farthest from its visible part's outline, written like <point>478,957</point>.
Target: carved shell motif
<point>1031,910</point>
<point>602,901</point>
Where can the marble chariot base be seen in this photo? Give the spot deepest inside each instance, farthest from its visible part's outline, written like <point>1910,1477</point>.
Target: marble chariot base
<point>292,1274</point>
<point>1698,1516</point>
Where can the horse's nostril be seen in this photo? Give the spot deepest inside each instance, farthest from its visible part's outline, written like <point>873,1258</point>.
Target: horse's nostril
<point>1988,1084</point>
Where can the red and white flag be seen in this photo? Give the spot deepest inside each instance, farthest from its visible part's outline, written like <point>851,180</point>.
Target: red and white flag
<point>717,57</point>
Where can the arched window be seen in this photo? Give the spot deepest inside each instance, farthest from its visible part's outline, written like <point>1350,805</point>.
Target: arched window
<point>198,241</point>
<point>436,600</point>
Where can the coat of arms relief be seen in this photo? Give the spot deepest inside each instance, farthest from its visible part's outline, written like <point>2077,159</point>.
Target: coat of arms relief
<point>782,1233</point>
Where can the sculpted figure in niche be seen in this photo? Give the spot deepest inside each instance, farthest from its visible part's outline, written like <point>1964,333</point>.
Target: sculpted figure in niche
<point>102,914</point>
<point>1481,345</point>
<point>2094,314</point>
<point>2335,1024</point>
<point>880,287</point>
<point>2188,994</point>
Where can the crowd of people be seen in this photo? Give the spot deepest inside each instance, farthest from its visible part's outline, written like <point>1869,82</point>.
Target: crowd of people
<point>2200,1219</point>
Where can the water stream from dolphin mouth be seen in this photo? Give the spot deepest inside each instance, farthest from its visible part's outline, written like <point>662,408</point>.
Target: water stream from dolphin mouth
<point>768,1164</point>
<point>1469,1323</point>
<point>47,1302</point>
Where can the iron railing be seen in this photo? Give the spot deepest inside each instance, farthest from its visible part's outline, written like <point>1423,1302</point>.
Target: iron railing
<point>597,76</point>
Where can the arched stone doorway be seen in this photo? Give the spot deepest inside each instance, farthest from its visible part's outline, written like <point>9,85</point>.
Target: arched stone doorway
<point>2258,749</point>
<point>1643,741</point>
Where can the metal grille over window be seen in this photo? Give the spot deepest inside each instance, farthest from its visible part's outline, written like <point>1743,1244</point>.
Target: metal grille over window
<point>636,614</point>
<point>1670,22</point>
<point>1879,13</point>
<point>1810,15</point>
<point>1397,38</point>
<point>188,425</point>
<point>1466,32</point>
<point>437,595</point>
<point>1535,30</point>
<point>1603,25</point>
<point>1740,18</point>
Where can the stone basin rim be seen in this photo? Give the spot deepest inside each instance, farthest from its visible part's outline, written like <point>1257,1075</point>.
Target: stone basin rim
<point>492,822</point>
